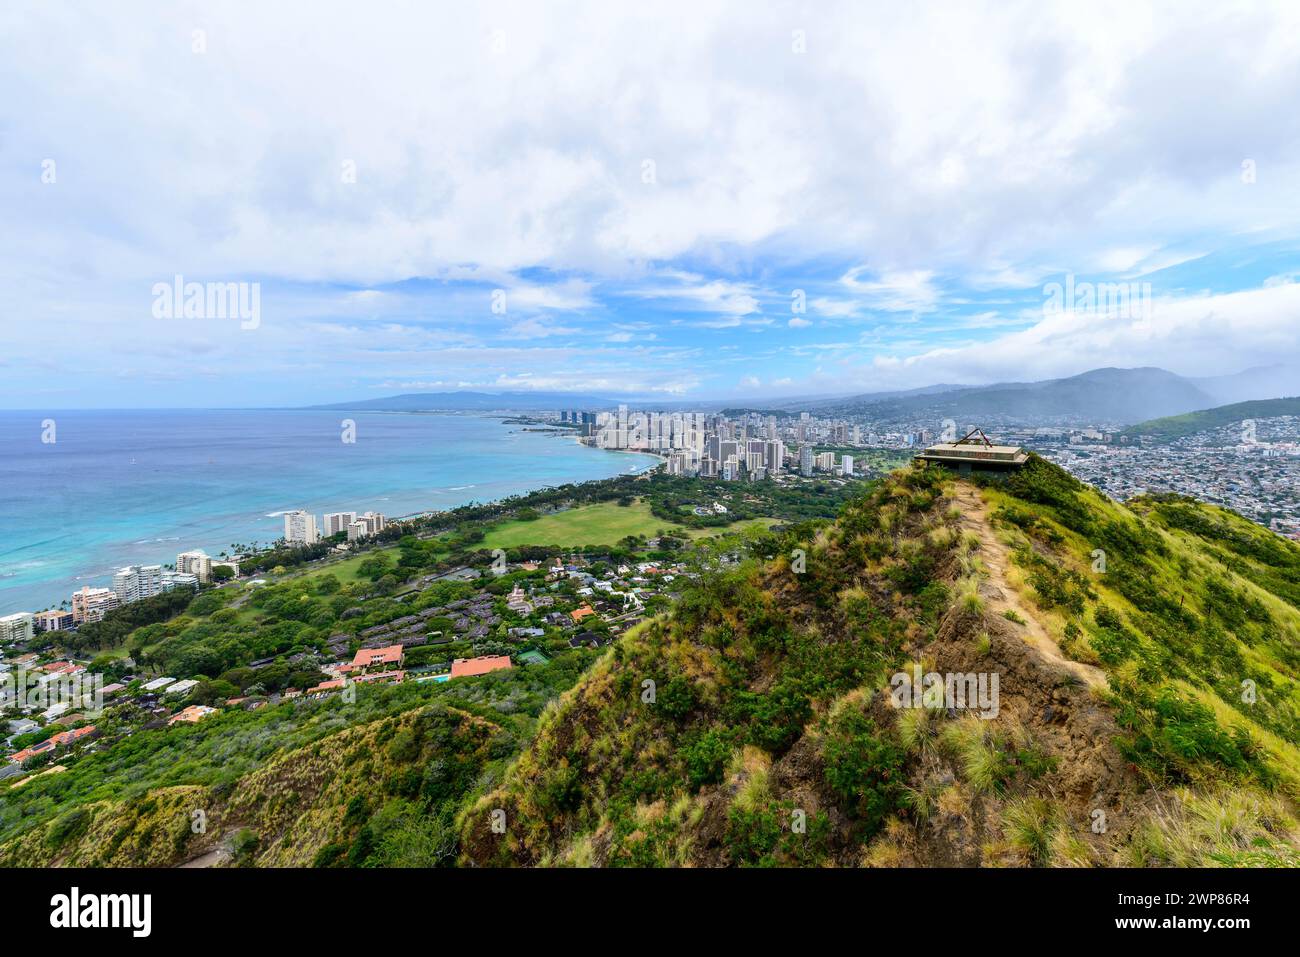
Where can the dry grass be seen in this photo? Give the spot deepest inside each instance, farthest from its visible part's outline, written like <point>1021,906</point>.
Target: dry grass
<point>1230,828</point>
<point>968,599</point>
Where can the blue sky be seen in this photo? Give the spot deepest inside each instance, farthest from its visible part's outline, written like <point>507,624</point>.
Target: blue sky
<point>627,201</point>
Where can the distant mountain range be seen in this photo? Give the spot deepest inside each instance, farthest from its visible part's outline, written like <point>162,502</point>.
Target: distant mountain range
<point>1101,396</point>
<point>473,401</point>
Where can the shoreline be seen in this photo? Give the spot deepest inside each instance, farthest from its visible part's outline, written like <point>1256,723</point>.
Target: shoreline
<point>663,459</point>
<point>559,435</point>
<point>103,578</point>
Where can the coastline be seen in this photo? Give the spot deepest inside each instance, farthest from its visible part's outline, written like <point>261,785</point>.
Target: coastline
<point>443,511</point>
<point>461,466</point>
<point>662,459</point>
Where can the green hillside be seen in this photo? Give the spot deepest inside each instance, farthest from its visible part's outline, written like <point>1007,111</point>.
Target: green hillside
<point>1146,713</point>
<point>1179,426</point>
<point>1124,734</point>
<point>282,784</point>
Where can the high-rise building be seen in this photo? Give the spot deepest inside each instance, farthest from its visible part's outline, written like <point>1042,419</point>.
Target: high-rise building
<point>196,563</point>
<point>16,627</point>
<point>774,455</point>
<point>53,619</point>
<point>300,528</point>
<point>358,529</point>
<point>91,604</point>
<point>336,522</point>
<point>806,461</point>
<point>846,465</point>
<point>137,581</point>
<point>375,522</point>
<point>679,463</point>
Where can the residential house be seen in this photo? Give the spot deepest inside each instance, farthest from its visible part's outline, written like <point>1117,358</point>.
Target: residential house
<point>469,667</point>
<point>385,659</point>
<point>192,715</point>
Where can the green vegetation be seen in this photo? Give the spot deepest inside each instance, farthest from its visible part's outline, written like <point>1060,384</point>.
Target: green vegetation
<point>752,724</point>
<point>242,764</point>
<point>604,524</point>
<point>1193,611</point>
<point>763,667</point>
<point>1180,426</point>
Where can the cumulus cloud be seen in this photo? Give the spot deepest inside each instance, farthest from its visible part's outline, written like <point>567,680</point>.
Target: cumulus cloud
<point>893,292</point>
<point>680,166</point>
<point>1197,336</point>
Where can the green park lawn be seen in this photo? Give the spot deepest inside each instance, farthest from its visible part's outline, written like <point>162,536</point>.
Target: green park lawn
<point>344,569</point>
<point>605,523</point>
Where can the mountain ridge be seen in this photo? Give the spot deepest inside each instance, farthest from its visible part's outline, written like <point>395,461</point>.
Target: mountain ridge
<point>466,401</point>
<point>1123,396</point>
<point>1169,428</point>
<point>772,708</point>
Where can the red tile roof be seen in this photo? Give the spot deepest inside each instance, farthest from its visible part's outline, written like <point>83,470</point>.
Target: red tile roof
<point>193,714</point>
<point>67,737</point>
<point>61,667</point>
<point>369,657</point>
<point>21,756</point>
<point>326,686</point>
<point>468,667</point>
<point>53,741</point>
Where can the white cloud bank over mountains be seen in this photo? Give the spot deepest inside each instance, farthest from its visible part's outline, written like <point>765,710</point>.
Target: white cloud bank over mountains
<point>648,184</point>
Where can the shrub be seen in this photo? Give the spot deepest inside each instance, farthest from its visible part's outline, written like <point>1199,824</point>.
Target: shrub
<point>677,699</point>
<point>70,825</point>
<point>705,758</point>
<point>864,768</point>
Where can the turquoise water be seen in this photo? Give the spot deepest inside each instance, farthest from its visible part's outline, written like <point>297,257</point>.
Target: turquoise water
<point>129,487</point>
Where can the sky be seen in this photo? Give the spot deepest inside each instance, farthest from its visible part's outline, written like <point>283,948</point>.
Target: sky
<point>667,200</point>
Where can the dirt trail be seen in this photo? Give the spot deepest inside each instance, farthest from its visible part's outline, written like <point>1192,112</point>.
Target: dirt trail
<point>1001,597</point>
<point>216,857</point>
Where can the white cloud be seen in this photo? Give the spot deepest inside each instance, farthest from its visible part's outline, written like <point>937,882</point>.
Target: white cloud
<point>1198,335</point>
<point>894,292</point>
<point>1037,140</point>
<point>571,294</point>
<point>538,329</point>
<point>733,299</point>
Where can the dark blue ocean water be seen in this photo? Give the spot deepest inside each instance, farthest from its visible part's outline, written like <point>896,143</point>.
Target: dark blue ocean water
<point>127,487</point>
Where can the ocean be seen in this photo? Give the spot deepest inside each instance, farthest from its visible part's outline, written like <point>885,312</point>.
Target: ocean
<point>137,487</point>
